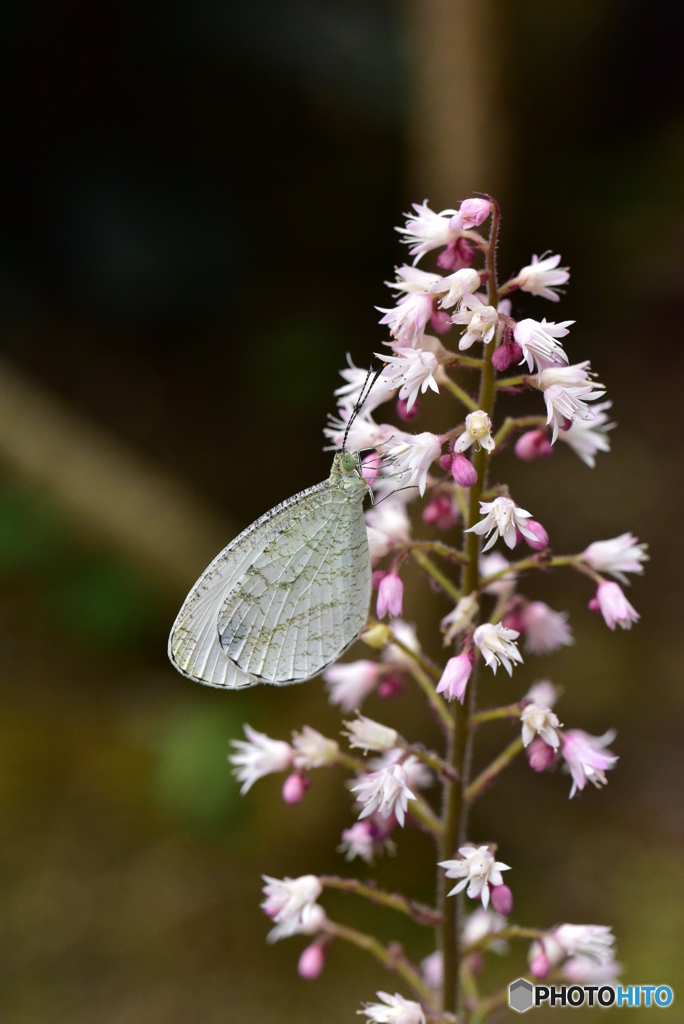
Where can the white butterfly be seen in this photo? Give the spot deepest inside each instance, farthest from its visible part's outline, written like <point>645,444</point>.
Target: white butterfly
<point>287,596</point>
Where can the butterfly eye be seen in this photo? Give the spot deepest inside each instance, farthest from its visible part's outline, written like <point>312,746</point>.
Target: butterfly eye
<point>348,462</point>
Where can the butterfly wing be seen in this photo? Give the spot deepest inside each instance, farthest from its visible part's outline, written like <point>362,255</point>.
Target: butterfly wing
<point>304,597</point>
<point>194,645</point>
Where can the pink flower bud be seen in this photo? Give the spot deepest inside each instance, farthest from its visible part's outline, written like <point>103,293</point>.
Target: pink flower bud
<point>406,414</point>
<point>294,788</point>
<point>539,755</point>
<point>377,577</point>
<point>391,686</point>
<point>370,467</point>
<point>506,354</point>
<point>540,533</point>
<point>514,619</point>
<point>539,965</point>
<point>457,255</point>
<point>502,899</point>
<point>463,471</point>
<point>441,321</point>
<point>311,962</point>
<point>594,605</point>
<point>445,460</point>
<point>471,213</point>
<point>455,676</point>
<point>476,963</point>
<point>390,596</point>
<point>533,445</point>
<point>440,513</point>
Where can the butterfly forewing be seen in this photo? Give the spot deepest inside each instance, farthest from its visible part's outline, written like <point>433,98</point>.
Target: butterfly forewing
<point>305,597</point>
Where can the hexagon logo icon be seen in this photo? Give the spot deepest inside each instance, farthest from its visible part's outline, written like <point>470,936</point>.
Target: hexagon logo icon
<point>520,995</point>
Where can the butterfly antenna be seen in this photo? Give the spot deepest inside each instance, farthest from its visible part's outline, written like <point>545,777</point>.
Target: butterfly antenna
<point>363,395</point>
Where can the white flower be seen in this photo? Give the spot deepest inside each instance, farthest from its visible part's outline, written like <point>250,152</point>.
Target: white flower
<point>365,734</point>
<point>414,455</point>
<point>456,286</point>
<point>594,941</point>
<point>497,645</point>
<point>539,720</point>
<point>406,633</point>
<point>312,750</point>
<point>418,775</point>
<point>478,431</point>
<point>412,371</point>
<point>569,376</point>
<point>396,1010</point>
<point>617,556</point>
<point>349,393</point>
<point>385,791</point>
<point>480,318</point>
<point>541,277</point>
<point>350,683</point>
<point>502,517</point>
<point>358,841</point>
<point>587,759</point>
<point>587,437</point>
<point>291,904</point>
<point>408,319</point>
<point>537,341</point>
<point>491,564</point>
<point>481,923</point>
<point>363,433</point>
<point>564,405</point>
<point>387,523</point>
<point>426,230</point>
<point>411,279</point>
<point>581,970</point>
<point>545,629</point>
<point>477,869</point>
<point>544,693</point>
<point>260,756</point>
<point>459,618</point>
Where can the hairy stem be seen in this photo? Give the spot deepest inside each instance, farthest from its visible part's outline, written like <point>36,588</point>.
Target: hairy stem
<point>393,959</point>
<point>486,777</point>
<point>454,803</point>
<point>420,912</point>
<point>458,392</point>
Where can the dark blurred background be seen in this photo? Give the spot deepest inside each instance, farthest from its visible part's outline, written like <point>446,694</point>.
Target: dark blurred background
<point>198,202</point>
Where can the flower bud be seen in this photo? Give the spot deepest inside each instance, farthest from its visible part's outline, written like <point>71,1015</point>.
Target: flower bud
<point>445,461</point>
<point>463,471</point>
<point>377,577</point>
<point>406,414</point>
<point>539,965</point>
<point>441,321</point>
<point>506,354</point>
<point>593,605</point>
<point>311,962</point>
<point>540,533</point>
<point>294,788</point>
<point>391,686</point>
<point>540,755</point>
<point>502,899</point>
<point>440,513</point>
<point>390,596</point>
<point>455,677</point>
<point>376,636</point>
<point>457,255</point>
<point>534,444</point>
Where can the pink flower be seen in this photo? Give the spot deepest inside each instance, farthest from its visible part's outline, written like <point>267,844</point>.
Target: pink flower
<point>457,255</point>
<point>587,758</point>
<point>385,791</point>
<point>539,964</point>
<point>471,213</point>
<point>503,518</point>
<point>442,512</point>
<point>440,321</point>
<point>566,405</point>
<point>534,444</point>
<point>406,414</point>
<point>258,757</point>
<point>477,869</point>
<point>463,471</point>
<point>294,788</point>
<point>370,468</point>
<point>408,319</point>
<point>614,606</point>
<point>350,683</point>
<point>426,230</point>
<point>311,962</point>
<point>545,629</point>
<point>540,755</point>
<point>497,645</point>
<point>455,677</point>
<point>617,556</point>
<point>456,287</point>
<point>481,321</point>
<point>390,595</point>
<point>502,899</point>
<point>415,455</point>
<point>359,841</point>
<point>541,537</point>
<point>537,339</point>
